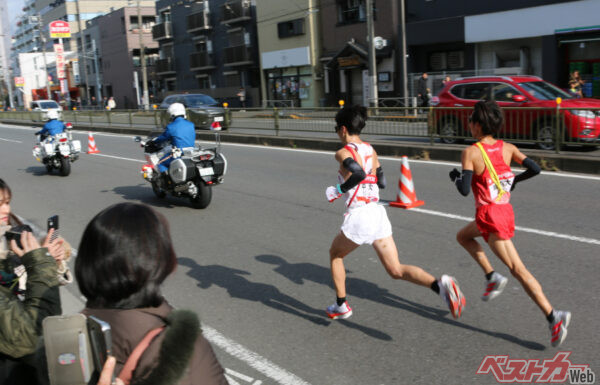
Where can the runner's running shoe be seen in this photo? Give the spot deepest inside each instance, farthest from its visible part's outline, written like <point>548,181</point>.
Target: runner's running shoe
<point>452,295</point>
<point>334,311</point>
<point>558,328</point>
<point>494,286</point>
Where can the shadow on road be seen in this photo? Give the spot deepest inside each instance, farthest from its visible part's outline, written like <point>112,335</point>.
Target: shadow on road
<point>39,171</point>
<point>298,272</point>
<point>238,286</point>
<point>143,193</point>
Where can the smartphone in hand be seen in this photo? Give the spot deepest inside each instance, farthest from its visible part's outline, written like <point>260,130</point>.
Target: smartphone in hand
<point>53,224</point>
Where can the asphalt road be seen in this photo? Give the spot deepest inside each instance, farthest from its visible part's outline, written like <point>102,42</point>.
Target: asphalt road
<point>254,264</point>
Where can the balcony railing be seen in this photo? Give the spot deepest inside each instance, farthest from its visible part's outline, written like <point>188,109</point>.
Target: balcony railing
<point>165,66</point>
<point>162,31</point>
<point>198,22</point>
<point>236,10</point>
<point>201,61</point>
<point>238,55</point>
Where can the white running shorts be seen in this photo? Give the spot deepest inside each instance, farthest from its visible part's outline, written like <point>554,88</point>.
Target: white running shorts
<point>366,224</point>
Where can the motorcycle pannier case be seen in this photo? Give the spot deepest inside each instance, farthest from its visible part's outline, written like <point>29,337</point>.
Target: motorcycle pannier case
<point>219,164</point>
<point>181,170</point>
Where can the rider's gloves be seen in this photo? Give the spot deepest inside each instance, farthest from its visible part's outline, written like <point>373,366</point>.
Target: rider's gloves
<point>454,174</point>
<point>333,192</point>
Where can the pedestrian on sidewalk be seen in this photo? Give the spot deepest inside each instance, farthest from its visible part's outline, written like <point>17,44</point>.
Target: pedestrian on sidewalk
<point>130,244</point>
<point>365,220</point>
<point>422,90</point>
<point>111,104</point>
<point>486,170</point>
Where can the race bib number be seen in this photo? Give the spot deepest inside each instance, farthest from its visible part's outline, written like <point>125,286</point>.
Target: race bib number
<point>506,186</point>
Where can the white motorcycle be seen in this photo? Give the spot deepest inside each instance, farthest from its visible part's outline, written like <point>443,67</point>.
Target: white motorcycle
<point>58,151</point>
<point>192,173</point>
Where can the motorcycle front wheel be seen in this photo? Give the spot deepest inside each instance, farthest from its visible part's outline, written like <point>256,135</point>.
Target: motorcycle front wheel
<point>65,166</point>
<point>202,200</point>
<point>160,193</point>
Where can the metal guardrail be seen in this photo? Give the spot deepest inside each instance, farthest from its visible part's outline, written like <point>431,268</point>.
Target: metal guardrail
<point>549,128</point>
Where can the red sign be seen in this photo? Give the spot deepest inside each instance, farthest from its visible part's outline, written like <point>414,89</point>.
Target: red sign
<point>59,28</point>
<point>60,61</point>
<point>19,81</point>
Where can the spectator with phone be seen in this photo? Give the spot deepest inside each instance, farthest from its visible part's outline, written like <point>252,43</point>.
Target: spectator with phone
<point>124,256</point>
<point>21,318</point>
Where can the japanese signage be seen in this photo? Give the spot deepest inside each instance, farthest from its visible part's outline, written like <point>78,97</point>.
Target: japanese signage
<point>19,81</point>
<point>59,29</point>
<point>60,61</point>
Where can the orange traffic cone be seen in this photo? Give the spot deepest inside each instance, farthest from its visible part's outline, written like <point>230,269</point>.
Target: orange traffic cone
<point>92,149</point>
<point>407,197</point>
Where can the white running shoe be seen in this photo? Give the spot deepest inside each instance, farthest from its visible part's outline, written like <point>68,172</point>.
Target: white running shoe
<point>334,311</point>
<point>452,295</point>
<point>558,328</point>
<point>494,286</point>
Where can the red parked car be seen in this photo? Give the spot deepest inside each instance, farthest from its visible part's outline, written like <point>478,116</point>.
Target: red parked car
<point>579,119</point>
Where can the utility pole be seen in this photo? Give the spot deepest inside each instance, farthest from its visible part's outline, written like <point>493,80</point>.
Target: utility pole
<point>404,69</point>
<point>145,98</point>
<point>98,86</point>
<point>43,40</point>
<point>6,67</point>
<point>372,64</point>
<point>87,90</point>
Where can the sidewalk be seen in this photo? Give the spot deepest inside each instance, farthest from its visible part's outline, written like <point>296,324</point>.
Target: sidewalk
<point>576,162</point>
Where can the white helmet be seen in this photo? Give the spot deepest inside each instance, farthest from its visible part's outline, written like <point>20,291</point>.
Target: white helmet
<point>175,110</point>
<point>52,114</point>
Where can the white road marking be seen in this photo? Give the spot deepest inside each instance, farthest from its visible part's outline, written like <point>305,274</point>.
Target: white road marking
<point>553,234</point>
<point>10,140</point>
<point>241,376</point>
<point>118,157</point>
<point>254,360</point>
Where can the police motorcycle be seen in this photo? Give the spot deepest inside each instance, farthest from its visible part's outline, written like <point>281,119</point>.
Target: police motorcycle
<point>192,173</point>
<point>57,151</point>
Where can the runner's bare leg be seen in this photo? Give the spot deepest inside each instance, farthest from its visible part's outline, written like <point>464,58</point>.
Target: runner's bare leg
<point>340,247</point>
<point>466,237</point>
<point>388,255</point>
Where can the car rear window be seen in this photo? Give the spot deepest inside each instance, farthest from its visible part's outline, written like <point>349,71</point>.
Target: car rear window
<point>45,105</point>
<point>192,101</point>
<point>544,91</point>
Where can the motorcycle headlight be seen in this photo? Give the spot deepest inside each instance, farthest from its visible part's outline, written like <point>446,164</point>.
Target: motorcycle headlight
<point>588,114</point>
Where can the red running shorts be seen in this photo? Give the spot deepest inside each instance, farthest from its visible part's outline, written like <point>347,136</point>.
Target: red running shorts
<point>496,219</point>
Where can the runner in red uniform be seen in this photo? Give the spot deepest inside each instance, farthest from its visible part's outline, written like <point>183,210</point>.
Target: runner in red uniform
<point>486,169</point>
<point>365,220</point>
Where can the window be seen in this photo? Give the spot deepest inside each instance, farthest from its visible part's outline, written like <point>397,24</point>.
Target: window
<point>544,91</point>
<point>147,22</point>
<point>439,61</point>
<point>290,28</point>
<point>503,92</point>
<point>236,37</point>
<point>204,82</point>
<point>165,16</point>
<point>352,11</point>
<point>474,91</point>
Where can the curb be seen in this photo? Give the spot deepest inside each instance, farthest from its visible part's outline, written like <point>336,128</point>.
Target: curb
<point>548,161</point>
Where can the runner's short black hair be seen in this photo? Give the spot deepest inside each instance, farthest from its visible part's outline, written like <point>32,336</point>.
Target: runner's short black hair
<point>125,254</point>
<point>489,115</point>
<point>353,118</point>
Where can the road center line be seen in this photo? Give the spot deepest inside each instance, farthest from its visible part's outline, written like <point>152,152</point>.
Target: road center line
<point>254,360</point>
<point>10,140</point>
<point>591,241</point>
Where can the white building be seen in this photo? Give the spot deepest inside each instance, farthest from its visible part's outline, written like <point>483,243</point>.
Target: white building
<point>34,72</point>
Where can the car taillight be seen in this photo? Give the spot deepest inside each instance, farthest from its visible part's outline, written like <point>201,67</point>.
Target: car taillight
<point>62,140</point>
<point>69,126</point>
<point>206,157</point>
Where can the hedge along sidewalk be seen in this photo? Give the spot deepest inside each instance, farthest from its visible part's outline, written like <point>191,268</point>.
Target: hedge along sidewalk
<point>548,161</point>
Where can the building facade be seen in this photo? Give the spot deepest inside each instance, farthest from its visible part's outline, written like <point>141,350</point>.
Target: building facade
<point>345,52</point>
<point>547,38</point>
<point>289,41</point>
<point>117,42</point>
<point>208,47</point>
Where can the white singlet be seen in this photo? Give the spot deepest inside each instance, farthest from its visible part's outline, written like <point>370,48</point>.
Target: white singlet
<point>364,221</point>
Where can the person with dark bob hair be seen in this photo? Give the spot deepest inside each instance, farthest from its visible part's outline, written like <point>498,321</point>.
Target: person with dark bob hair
<point>486,170</point>
<point>125,255</point>
<point>360,177</point>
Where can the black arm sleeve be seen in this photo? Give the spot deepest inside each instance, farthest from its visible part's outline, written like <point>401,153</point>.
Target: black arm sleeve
<point>463,182</point>
<point>532,170</point>
<point>358,174</point>
<point>381,182</point>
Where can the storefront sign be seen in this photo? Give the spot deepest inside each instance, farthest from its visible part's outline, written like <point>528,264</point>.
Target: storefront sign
<point>60,61</point>
<point>76,77</point>
<point>348,61</point>
<point>284,58</point>
<point>64,86</point>
<point>59,29</point>
<point>19,81</point>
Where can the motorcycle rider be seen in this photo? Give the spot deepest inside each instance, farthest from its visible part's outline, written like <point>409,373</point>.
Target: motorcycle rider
<point>180,133</point>
<point>52,127</point>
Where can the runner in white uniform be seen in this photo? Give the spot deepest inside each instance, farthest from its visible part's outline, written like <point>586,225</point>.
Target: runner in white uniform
<point>366,222</point>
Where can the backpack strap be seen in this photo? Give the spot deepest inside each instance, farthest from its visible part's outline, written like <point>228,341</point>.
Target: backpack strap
<point>132,362</point>
<point>492,171</point>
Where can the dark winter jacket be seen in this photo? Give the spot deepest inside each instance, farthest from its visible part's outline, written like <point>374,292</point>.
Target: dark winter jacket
<point>21,321</point>
<point>178,355</point>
